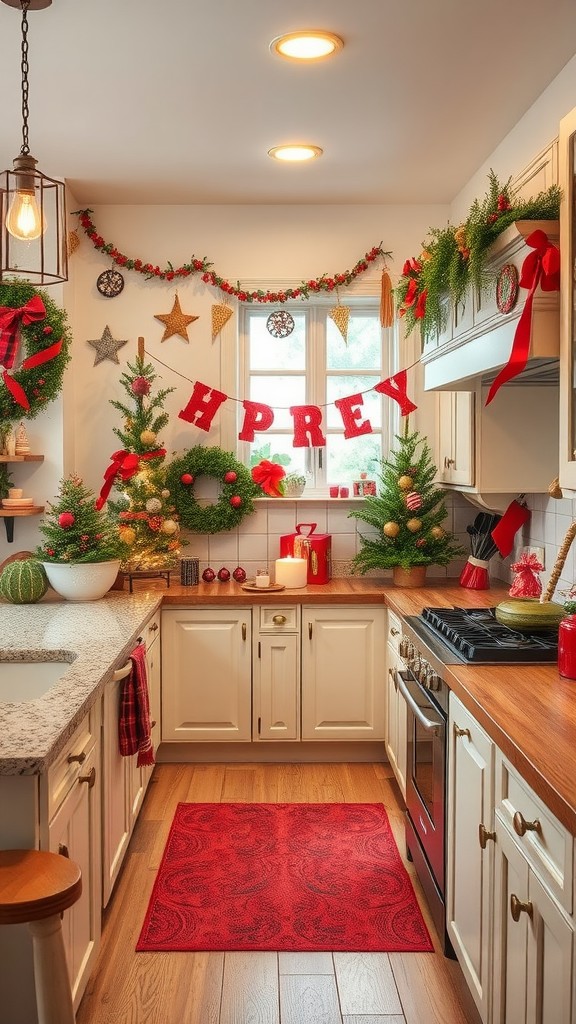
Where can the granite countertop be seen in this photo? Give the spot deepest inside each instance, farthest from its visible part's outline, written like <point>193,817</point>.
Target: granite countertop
<point>100,633</point>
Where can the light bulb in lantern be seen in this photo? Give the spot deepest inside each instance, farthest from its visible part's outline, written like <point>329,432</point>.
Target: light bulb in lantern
<point>24,220</point>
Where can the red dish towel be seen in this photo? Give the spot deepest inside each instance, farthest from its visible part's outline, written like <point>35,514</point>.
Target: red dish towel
<point>134,721</point>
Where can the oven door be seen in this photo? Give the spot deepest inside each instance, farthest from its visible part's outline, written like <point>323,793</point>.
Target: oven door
<point>425,771</point>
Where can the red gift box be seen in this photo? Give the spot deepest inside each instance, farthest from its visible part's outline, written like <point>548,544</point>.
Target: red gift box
<point>316,547</point>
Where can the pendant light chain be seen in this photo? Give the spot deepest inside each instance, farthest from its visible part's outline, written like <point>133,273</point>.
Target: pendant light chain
<point>25,150</point>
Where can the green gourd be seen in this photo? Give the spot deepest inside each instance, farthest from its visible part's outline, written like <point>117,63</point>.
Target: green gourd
<point>528,615</point>
<point>23,582</point>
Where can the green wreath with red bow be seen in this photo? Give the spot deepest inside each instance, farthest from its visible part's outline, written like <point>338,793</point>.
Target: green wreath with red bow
<point>34,350</point>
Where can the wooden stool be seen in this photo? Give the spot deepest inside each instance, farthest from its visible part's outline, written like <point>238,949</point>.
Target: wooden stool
<point>35,887</point>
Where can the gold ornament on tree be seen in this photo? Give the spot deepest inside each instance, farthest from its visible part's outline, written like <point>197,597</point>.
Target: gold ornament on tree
<point>405,483</point>
<point>220,317</point>
<point>391,529</point>
<point>148,437</point>
<point>414,525</point>
<point>341,315</point>
<point>176,322</point>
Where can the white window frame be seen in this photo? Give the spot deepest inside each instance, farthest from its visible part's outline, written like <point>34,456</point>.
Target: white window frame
<point>316,374</point>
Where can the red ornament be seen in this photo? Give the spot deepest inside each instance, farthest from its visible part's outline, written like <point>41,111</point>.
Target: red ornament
<point>413,501</point>
<point>239,574</point>
<point>187,479</point>
<point>421,543</point>
<point>155,523</point>
<point>66,520</point>
<point>236,501</point>
<point>230,477</point>
<point>140,386</point>
<point>47,330</point>
<point>223,574</point>
<point>208,575</point>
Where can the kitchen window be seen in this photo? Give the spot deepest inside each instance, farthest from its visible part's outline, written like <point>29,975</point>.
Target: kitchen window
<point>313,365</point>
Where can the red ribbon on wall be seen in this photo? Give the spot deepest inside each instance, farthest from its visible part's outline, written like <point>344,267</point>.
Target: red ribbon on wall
<point>541,267</point>
<point>124,464</point>
<point>11,319</point>
<point>44,356</point>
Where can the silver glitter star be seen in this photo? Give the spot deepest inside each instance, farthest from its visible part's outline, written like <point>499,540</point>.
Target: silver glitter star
<point>107,347</point>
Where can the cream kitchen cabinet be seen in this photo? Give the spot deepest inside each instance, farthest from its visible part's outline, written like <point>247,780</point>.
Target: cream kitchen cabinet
<point>396,738</point>
<point>276,673</point>
<point>343,659</point>
<point>470,850</point>
<point>124,782</point>
<point>206,674</point>
<point>498,450</point>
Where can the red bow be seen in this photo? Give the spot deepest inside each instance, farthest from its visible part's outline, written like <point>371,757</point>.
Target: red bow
<point>541,267</point>
<point>125,465</point>
<point>268,476</point>
<point>10,321</point>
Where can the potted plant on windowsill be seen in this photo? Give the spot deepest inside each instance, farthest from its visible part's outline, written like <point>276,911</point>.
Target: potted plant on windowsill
<point>407,515</point>
<point>82,549</point>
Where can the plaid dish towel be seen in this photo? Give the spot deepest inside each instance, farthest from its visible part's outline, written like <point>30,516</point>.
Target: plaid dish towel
<point>134,720</point>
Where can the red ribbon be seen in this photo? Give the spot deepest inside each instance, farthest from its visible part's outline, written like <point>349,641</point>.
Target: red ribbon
<point>125,465</point>
<point>44,356</point>
<point>11,320</point>
<point>541,267</point>
<point>268,476</point>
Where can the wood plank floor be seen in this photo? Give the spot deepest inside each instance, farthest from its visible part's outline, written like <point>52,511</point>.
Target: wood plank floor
<point>261,988</point>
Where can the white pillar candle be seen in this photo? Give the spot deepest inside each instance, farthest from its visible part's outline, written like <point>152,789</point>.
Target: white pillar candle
<point>292,572</point>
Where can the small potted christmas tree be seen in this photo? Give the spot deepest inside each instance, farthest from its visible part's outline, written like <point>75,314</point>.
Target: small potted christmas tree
<point>82,548</point>
<point>408,513</point>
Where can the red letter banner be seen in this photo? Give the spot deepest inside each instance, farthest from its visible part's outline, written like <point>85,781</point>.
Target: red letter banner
<point>307,420</point>
<point>203,405</point>
<point>395,387</point>
<point>256,417</point>
<point>350,415</point>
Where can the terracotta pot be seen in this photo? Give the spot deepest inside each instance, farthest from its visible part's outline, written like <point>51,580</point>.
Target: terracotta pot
<point>415,576</point>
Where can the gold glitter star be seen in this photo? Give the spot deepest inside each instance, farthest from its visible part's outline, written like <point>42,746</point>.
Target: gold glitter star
<point>107,347</point>
<point>176,321</point>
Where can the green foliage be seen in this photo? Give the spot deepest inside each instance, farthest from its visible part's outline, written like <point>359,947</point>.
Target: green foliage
<point>258,454</point>
<point>223,515</point>
<point>84,535</point>
<point>427,545</point>
<point>455,258</point>
<point>6,480</point>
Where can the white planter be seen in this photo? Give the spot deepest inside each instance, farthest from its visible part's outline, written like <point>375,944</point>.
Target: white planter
<point>88,581</point>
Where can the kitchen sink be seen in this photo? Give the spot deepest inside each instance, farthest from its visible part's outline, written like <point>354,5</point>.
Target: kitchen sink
<point>28,675</point>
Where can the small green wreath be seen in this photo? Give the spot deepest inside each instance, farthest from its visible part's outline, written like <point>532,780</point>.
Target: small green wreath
<point>237,489</point>
<point>27,390</point>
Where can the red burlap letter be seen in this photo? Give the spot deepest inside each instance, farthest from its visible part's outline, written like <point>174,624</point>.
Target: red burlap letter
<point>351,415</point>
<point>307,422</point>
<point>256,417</point>
<point>203,405</point>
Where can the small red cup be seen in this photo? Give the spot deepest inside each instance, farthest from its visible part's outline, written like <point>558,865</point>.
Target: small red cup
<point>334,491</point>
<point>344,492</point>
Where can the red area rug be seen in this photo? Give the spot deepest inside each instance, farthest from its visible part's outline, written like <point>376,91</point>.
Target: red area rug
<point>298,877</point>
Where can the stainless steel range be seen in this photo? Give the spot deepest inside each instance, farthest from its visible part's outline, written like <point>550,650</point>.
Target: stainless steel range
<point>439,637</point>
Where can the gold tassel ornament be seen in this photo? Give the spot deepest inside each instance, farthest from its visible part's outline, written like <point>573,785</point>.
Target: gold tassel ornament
<point>220,317</point>
<point>386,301</point>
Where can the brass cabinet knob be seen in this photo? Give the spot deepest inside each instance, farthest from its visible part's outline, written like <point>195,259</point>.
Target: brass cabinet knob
<point>394,631</point>
<point>90,778</point>
<point>81,757</point>
<point>517,908</point>
<point>484,835</point>
<point>521,826</point>
<point>461,732</point>
<point>278,620</point>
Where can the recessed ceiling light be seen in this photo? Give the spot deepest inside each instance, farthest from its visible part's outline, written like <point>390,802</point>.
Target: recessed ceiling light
<point>307,44</point>
<point>295,153</point>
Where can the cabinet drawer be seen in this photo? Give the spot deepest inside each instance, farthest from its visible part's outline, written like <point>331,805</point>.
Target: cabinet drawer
<point>151,631</point>
<point>394,630</point>
<point>549,848</point>
<point>280,618</point>
<point>71,761</point>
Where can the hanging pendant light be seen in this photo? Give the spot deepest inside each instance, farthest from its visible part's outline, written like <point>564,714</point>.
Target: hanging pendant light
<point>32,205</point>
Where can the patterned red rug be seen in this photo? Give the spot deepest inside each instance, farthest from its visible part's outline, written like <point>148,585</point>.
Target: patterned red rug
<point>299,877</point>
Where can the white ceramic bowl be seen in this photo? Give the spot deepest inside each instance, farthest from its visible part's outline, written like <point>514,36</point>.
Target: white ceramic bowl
<point>87,581</point>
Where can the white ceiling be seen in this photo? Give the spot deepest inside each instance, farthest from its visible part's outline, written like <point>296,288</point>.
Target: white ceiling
<point>172,101</point>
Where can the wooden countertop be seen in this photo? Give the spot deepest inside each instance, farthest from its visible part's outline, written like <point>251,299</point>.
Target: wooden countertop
<point>528,710</point>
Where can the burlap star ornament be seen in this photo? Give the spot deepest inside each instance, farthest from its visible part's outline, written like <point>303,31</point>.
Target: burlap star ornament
<point>176,322</point>
<point>107,346</point>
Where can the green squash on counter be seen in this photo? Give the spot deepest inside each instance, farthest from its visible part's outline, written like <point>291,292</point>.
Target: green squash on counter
<point>24,581</point>
<point>529,615</point>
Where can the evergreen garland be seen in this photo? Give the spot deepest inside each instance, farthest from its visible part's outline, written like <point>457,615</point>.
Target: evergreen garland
<point>415,535</point>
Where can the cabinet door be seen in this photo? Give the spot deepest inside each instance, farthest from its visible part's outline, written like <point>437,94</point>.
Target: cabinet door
<point>470,861</point>
<point>550,957</point>
<point>206,675</point>
<point>396,722</point>
<point>75,832</point>
<point>510,979</point>
<point>343,673</point>
<point>276,688</point>
<point>456,437</point>
<point>116,805</point>
<point>153,665</point>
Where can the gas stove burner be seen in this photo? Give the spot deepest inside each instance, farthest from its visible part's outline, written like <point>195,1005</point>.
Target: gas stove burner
<point>475,635</point>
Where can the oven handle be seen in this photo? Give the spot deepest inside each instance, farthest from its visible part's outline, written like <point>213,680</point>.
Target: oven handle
<point>426,723</point>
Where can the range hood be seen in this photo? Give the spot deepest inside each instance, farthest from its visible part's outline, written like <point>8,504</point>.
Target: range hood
<point>477,340</point>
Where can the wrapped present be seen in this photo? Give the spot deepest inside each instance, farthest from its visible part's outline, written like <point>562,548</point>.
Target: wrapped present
<point>315,547</point>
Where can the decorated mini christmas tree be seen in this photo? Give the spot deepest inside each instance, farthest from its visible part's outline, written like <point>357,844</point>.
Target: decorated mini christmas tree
<point>144,508</point>
<point>407,513</point>
<point>75,530</point>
